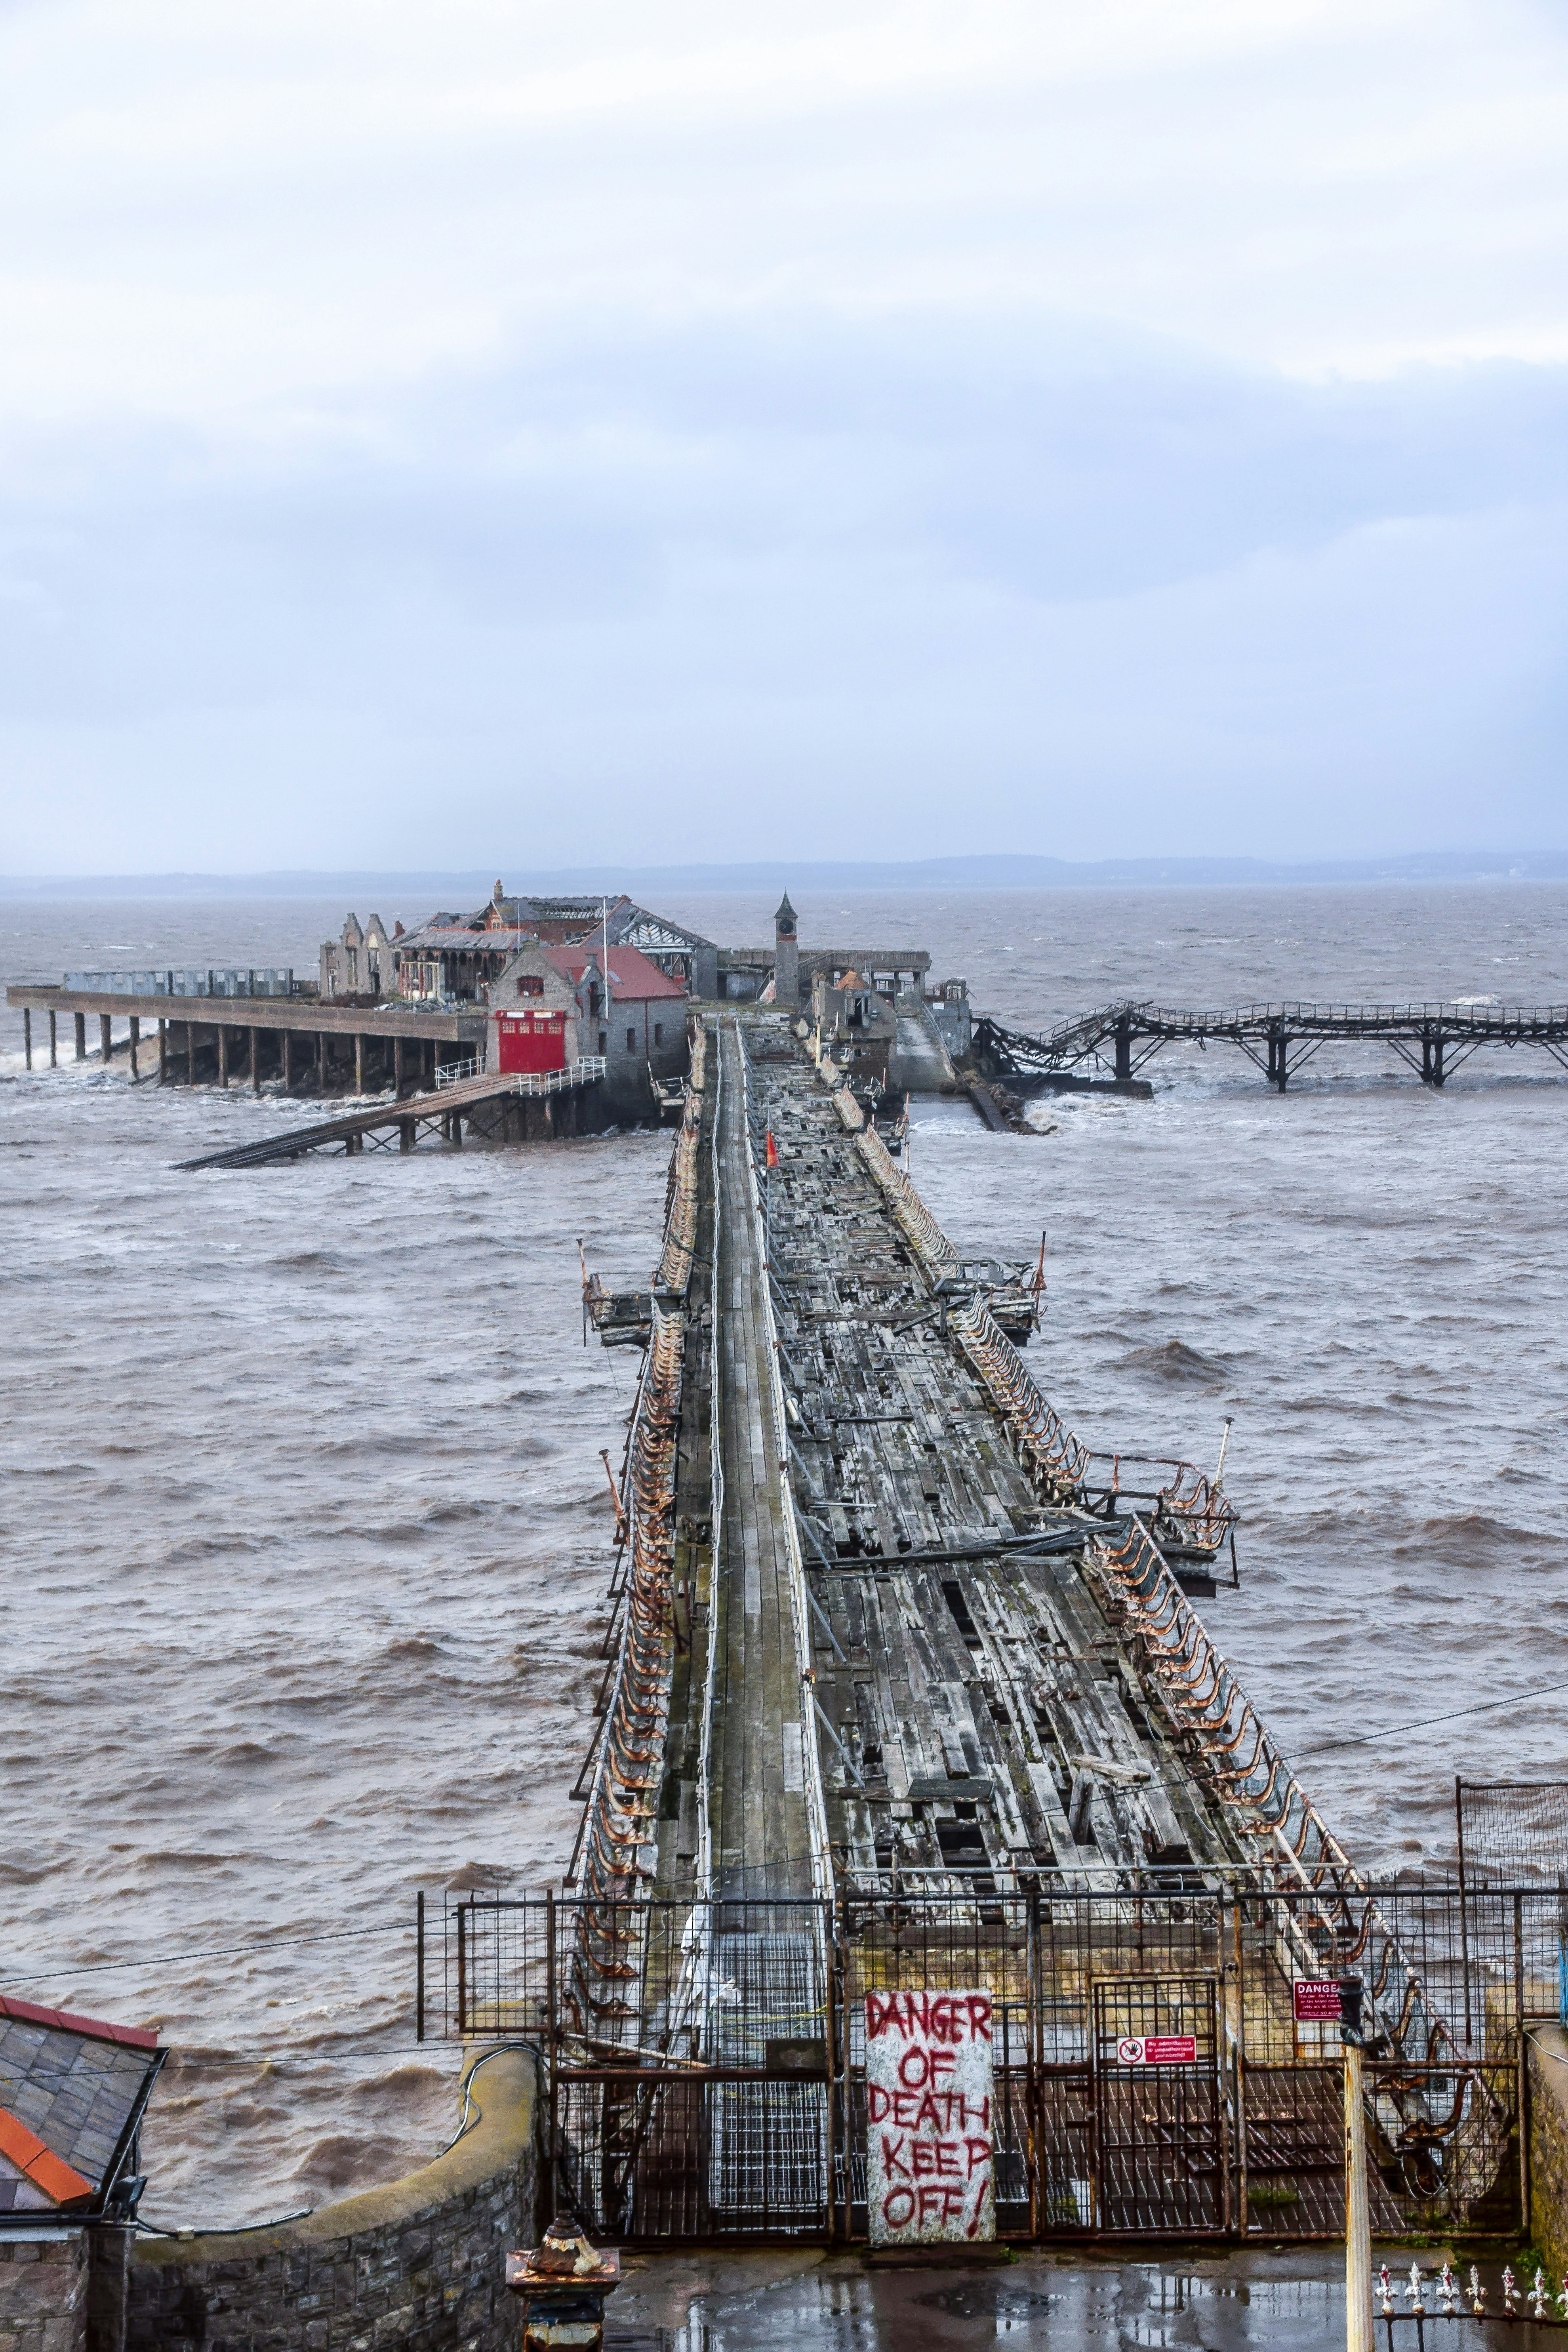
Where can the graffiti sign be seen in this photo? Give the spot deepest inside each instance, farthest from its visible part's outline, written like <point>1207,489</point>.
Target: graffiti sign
<point>928,2118</point>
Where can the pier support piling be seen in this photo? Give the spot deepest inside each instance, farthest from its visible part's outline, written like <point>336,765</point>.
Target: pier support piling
<point>322,1060</point>
<point>1124,1047</point>
<point>28,1034</point>
<point>223,1054</point>
<point>189,1053</point>
<point>163,1053</point>
<point>54,1045</point>
<point>135,1042</point>
<point>359,1063</point>
<point>398,1067</point>
<point>106,1035</point>
<point>80,1021</point>
<point>255,1061</point>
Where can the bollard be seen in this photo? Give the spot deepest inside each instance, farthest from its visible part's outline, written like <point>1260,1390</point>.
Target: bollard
<point>561,2286</point>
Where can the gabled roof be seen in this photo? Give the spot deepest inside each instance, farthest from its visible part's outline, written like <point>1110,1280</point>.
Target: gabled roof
<point>505,922</point>
<point>632,977</point>
<point>71,2092</point>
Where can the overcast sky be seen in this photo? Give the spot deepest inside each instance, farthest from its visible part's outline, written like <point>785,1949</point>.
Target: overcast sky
<point>448,434</point>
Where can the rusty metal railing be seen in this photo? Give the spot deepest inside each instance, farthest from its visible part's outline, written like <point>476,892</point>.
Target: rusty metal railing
<point>673,1271</point>
<point>616,1848</point>
<point>1046,1446</point>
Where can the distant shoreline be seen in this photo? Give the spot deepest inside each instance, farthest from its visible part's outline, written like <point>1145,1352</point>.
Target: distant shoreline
<point>979,873</point>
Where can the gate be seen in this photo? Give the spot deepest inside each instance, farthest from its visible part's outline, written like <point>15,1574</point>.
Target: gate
<point>1161,2163</point>
<point>705,2061</point>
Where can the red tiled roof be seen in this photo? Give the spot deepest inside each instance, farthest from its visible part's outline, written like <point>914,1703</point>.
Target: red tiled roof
<point>65,2021</point>
<point>60,2181</point>
<point>633,976</point>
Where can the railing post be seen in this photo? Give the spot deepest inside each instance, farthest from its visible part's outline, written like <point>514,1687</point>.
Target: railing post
<point>1522,2092</point>
<point>552,2114</point>
<point>1358,2225</point>
<point>419,1970</point>
<point>462,1969</point>
<point>1464,1908</point>
<point>1034,2088</point>
<point>834,1993</point>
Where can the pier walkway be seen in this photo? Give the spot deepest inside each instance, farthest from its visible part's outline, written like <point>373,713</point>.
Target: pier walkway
<point>757,1799</point>
<point>1433,1040</point>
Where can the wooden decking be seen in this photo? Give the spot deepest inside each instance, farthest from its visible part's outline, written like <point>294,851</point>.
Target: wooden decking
<point>757,1800</point>
<point>984,1722</point>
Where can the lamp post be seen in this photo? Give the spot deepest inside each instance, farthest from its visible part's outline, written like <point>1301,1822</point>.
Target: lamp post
<point>1358,2224</point>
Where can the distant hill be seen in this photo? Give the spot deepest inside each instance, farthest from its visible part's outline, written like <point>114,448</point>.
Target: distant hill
<point>984,873</point>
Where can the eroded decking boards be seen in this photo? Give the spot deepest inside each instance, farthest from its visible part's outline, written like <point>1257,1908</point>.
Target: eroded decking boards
<point>986,1725</point>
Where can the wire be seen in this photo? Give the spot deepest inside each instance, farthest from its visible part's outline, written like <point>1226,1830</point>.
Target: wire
<point>1423,1722</point>
<point>319,2058</point>
<point>221,2229</point>
<point>466,2123</point>
<point>208,1952</point>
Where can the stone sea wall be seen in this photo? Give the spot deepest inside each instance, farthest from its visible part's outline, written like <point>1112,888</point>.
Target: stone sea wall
<point>416,2266</point>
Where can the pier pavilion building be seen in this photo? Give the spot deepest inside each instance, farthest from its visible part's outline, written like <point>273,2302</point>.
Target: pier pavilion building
<point>552,1006</point>
<point>456,956</point>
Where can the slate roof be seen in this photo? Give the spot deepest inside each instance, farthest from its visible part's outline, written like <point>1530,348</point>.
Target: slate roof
<point>69,2087</point>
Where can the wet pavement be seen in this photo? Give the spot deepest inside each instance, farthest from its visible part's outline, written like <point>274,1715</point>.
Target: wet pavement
<point>1290,2301</point>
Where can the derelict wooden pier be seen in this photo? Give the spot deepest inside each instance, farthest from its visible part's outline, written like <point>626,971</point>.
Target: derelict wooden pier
<point>906,1690</point>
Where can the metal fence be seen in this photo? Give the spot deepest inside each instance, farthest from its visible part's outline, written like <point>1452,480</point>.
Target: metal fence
<point>712,2084</point>
<point>251,981</point>
<point>1515,1834</point>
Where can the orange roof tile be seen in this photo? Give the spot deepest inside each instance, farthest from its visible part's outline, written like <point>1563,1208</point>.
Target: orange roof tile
<point>60,2184</point>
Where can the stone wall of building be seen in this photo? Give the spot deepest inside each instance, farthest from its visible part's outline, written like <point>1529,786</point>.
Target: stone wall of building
<point>414,2267</point>
<point>1548,2143</point>
<point>43,2293</point>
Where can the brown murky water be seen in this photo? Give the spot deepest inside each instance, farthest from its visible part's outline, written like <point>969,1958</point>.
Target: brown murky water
<point>306,1527</point>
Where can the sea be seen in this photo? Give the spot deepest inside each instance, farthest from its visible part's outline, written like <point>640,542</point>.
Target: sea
<point>307,1530</point>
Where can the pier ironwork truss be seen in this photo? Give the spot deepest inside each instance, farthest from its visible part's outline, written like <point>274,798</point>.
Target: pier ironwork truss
<point>1117,1041</point>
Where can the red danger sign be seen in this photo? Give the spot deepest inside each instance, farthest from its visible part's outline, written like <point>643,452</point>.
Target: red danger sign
<point>1318,2001</point>
<point>1157,2050</point>
<point>928,2115</point>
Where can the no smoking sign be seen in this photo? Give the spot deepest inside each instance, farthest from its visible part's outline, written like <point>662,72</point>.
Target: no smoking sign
<point>1157,2050</point>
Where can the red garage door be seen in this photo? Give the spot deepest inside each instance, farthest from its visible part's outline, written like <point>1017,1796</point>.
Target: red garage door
<point>532,1041</point>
